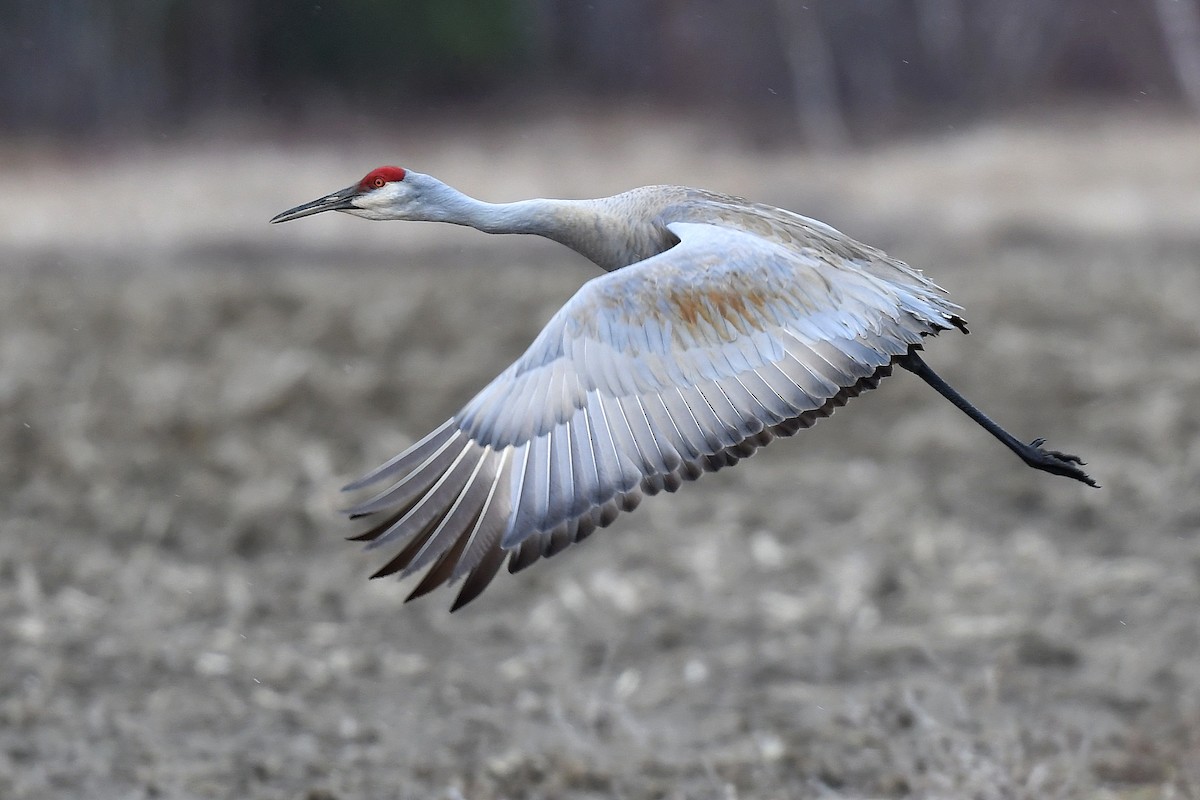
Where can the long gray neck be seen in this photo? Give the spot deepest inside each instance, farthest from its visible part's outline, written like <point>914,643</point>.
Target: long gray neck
<point>554,219</point>
<point>586,226</point>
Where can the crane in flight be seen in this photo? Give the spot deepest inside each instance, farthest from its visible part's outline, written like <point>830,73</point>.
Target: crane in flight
<point>720,324</point>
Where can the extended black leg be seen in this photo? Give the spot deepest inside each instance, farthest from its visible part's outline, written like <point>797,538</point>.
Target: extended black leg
<point>1032,454</point>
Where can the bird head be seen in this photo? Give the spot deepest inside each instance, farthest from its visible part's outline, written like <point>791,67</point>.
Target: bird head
<point>383,193</point>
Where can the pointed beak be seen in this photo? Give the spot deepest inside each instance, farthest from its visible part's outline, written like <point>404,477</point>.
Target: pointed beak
<point>338,201</point>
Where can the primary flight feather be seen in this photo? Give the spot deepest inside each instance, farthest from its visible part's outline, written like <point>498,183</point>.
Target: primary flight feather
<point>719,325</point>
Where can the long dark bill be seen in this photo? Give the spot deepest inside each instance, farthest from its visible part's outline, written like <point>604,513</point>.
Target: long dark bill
<point>338,201</point>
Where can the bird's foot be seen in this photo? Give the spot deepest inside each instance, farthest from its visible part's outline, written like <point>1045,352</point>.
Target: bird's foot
<point>1056,463</point>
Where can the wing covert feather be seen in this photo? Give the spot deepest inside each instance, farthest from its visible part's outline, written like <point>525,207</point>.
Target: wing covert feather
<point>650,375</point>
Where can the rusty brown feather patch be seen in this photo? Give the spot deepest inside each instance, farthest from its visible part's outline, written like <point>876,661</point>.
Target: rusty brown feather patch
<point>740,311</point>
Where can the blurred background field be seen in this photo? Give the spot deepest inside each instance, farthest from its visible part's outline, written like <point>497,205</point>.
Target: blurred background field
<point>888,605</point>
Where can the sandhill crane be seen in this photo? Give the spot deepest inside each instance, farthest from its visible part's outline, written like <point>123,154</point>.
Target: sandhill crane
<point>719,325</point>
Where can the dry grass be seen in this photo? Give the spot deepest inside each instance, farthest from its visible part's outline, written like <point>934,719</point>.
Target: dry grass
<point>889,605</point>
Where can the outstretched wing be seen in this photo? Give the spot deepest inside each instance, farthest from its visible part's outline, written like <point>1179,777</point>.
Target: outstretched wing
<point>648,376</point>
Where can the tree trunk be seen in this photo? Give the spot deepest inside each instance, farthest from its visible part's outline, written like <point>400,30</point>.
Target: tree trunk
<point>1180,21</point>
<point>814,79</point>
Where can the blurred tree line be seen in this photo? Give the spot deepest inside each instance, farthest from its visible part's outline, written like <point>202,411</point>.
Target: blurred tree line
<point>831,67</point>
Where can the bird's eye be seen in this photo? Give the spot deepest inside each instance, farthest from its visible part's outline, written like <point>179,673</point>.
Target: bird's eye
<point>379,182</point>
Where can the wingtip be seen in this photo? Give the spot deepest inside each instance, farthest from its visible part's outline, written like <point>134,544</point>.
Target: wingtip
<point>462,599</point>
<point>390,568</point>
<point>420,591</point>
<point>355,485</point>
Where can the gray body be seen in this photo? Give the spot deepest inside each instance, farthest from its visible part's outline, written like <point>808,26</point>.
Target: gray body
<point>720,325</point>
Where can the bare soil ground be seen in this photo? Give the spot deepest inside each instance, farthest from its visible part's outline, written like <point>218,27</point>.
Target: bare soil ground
<point>888,605</point>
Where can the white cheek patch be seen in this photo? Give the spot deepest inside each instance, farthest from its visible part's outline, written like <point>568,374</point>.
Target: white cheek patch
<point>368,205</point>
<point>381,204</point>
